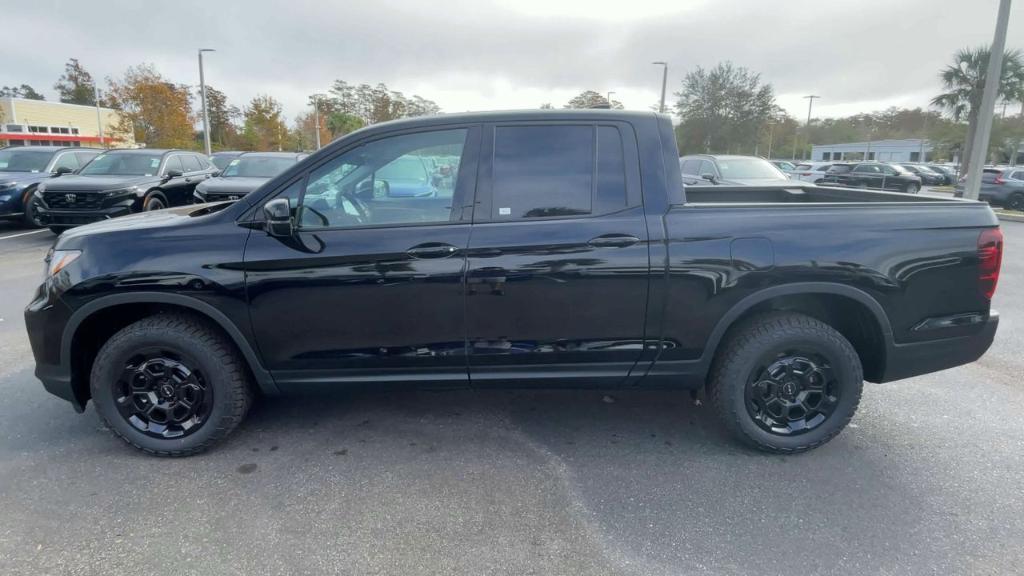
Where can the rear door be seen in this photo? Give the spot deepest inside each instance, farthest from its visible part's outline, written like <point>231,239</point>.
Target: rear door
<point>866,175</point>
<point>558,260</point>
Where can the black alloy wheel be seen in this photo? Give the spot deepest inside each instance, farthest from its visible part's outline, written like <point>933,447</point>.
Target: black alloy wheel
<point>163,394</point>
<point>793,394</point>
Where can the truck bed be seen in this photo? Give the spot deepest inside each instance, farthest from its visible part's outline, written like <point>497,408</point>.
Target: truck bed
<point>799,193</point>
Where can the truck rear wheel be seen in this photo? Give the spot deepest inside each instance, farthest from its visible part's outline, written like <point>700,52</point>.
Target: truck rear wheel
<point>170,385</point>
<point>785,382</point>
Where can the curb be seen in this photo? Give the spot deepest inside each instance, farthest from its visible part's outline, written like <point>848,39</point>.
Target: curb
<point>1010,217</point>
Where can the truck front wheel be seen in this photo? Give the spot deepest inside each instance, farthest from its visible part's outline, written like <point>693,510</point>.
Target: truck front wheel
<point>170,385</point>
<point>785,382</point>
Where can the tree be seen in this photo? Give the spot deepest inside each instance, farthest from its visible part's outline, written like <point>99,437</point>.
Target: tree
<point>264,127</point>
<point>964,82</point>
<point>591,99</point>
<point>547,106</point>
<point>373,104</point>
<point>23,91</point>
<point>222,116</point>
<point>723,109</point>
<point>157,112</point>
<point>340,123</point>
<point>76,86</point>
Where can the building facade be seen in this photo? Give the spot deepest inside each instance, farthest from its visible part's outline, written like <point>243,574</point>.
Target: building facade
<point>26,122</point>
<point>909,150</point>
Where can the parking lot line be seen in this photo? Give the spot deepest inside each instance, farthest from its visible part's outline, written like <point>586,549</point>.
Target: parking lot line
<point>21,234</point>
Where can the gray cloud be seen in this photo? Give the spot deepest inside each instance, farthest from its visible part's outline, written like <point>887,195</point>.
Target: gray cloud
<point>871,51</point>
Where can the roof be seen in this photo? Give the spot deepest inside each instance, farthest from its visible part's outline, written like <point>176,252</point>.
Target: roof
<point>52,103</point>
<point>727,157</point>
<point>160,151</point>
<point>273,154</point>
<point>49,148</point>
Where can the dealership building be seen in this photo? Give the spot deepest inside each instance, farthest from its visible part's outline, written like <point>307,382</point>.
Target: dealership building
<point>908,150</point>
<point>26,122</point>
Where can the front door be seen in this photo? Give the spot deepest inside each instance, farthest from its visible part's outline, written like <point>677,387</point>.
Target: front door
<point>370,287</point>
<point>558,260</point>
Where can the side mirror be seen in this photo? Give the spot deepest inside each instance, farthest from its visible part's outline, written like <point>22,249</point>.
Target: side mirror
<point>278,214</point>
<point>62,170</point>
<point>710,178</point>
<point>172,173</point>
<point>215,173</point>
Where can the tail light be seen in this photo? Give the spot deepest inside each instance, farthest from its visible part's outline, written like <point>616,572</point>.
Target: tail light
<point>999,180</point>
<point>805,173</point>
<point>990,260</point>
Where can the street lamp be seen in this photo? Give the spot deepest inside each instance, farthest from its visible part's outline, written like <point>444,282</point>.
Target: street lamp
<point>202,92</point>
<point>316,116</point>
<point>664,80</point>
<point>810,102</point>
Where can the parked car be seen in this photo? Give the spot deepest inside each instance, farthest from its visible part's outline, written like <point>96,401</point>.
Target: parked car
<point>813,172</point>
<point>948,173</point>
<point>877,176</point>
<point>708,169</point>
<point>928,176</point>
<point>121,182</point>
<point>1000,186</point>
<point>244,174</point>
<point>569,255</point>
<point>222,159</point>
<point>786,166</point>
<point>22,168</point>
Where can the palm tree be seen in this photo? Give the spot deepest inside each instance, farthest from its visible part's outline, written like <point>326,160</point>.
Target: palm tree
<point>964,81</point>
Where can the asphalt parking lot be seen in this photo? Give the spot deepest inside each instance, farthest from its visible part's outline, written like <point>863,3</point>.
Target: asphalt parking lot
<point>927,479</point>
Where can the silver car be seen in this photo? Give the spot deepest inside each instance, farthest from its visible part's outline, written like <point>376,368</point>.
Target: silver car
<point>1001,187</point>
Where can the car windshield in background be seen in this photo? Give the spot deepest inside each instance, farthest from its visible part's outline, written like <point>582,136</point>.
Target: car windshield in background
<point>745,168</point>
<point>406,168</point>
<point>24,160</point>
<point>926,169</point>
<point>221,162</point>
<point>123,165</point>
<point>840,168</point>
<point>258,166</point>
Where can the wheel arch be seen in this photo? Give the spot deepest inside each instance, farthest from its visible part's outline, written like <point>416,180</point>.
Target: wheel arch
<point>851,311</point>
<point>93,324</point>
<point>154,191</point>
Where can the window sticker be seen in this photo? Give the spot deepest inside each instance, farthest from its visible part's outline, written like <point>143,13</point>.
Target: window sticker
<point>504,211</point>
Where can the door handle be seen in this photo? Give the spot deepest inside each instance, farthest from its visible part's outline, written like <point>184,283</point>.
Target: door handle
<point>432,250</point>
<point>613,241</point>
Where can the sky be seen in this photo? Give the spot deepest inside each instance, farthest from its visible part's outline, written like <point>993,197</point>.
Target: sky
<point>510,54</point>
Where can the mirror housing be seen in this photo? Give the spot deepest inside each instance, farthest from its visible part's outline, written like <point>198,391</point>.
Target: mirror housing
<point>710,178</point>
<point>61,170</point>
<point>278,215</point>
<point>172,173</point>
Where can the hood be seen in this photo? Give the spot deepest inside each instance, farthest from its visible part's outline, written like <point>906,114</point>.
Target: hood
<point>157,219</point>
<point>97,183</point>
<point>21,178</point>
<point>230,185</point>
<point>408,188</point>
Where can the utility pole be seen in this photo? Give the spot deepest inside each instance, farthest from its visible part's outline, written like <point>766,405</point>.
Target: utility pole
<point>202,92</point>
<point>979,148</point>
<point>316,118</point>
<point>99,122</point>
<point>810,102</point>
<point>771,129</point>
<point>664,82</point>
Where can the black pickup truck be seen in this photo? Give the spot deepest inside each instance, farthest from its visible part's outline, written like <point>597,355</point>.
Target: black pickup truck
<point>562,251</point>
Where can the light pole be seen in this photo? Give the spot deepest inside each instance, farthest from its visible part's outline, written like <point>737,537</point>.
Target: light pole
<point>99,123</point>
<point>979,148</point>
<point>316,118</point>
<point>202,92</point>
<point>664,81</point>
<point>810,102</point>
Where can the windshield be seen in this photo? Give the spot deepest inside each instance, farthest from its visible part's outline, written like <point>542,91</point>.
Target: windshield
<point>748,168</point>
<point>406,168</point>
<point>258,166</point>
<point>221,161</point>
<point>925,169</point>
<point>14,160</point>
<point>115,164</point>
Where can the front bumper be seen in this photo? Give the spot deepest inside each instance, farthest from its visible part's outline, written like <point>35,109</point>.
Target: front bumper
<point>45,320</point>
<point>914,359</point>
<point>51,217</point>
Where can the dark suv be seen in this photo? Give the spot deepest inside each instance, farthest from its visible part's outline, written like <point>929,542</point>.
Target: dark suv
<point>22,168</point>
<point>877,176</point>
<point>244,174</point>
<point>122,182</point>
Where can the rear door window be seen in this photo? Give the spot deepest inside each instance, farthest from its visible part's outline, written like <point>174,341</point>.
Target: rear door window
<point>542,171</point>
<point>67,160</point>
<point>191,163</point>
<point>174,163</point>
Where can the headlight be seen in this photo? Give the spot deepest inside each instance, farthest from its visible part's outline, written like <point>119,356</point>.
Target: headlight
<point>40,189</point>
<point>58,260</point>
<point>128,190</point>
<point>7,185</point>
<point>5,197</point>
